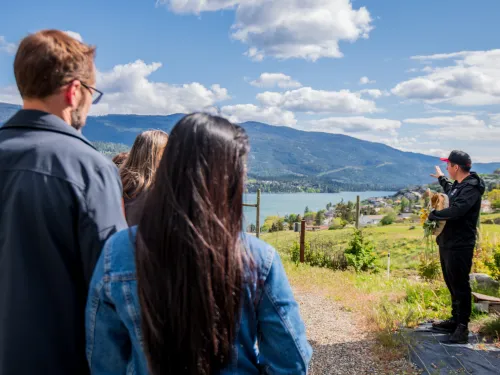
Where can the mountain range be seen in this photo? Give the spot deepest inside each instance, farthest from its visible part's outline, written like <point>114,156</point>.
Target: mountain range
<point>279,152</point>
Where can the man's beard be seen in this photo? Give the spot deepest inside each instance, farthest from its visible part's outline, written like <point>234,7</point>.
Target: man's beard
<point>76,119</point>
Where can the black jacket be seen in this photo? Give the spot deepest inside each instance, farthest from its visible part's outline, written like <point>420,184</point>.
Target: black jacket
<point>462,215</point>
<point>60,199</point>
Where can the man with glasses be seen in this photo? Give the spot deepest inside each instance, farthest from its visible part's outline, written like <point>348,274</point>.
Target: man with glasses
<point>458,239</point>
<point>60,199</point>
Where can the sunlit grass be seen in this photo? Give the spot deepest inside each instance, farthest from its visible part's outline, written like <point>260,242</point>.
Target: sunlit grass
<point>387,302</point>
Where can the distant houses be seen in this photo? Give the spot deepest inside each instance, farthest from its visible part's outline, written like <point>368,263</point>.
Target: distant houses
<point>365,220</point>
<point>486,206</point>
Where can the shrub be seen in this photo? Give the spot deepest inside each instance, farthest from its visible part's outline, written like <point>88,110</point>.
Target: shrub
<point>429,269</point>
<point>337,223</point>
<point>317,256</point>
<point>487,257</point>
<point>491,328</point>
<point>388,219</point>
<point>360,253</point>
<point>496,204</point>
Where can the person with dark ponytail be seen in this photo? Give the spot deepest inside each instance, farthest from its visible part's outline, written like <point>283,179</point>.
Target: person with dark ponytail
<point>185,291</point>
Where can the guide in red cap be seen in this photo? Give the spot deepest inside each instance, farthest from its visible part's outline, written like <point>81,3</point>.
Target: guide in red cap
<point>458,238</point>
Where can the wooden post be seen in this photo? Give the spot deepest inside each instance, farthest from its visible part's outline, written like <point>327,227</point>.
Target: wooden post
<point>357,211</point>
<point>302,239</point>
<point>389,264</point>
<point>257,219</point>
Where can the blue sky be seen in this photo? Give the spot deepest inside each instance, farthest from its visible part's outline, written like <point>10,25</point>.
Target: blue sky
<point>420,76</point>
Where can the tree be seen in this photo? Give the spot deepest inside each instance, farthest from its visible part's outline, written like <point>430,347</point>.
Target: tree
<point>337,223</point>
<point>368,210</point>
<point>252,228</point>
<point>497,171</point>
<point>388,219</point>
<point>360,253</point>
<point>494,195</point>
<point>405,203</point>
<point>309,217</point>
<point>306,210</point>
<point>328,206</point>
<point>496,204</point>
<point>345,211</point>
<point>320,216</point>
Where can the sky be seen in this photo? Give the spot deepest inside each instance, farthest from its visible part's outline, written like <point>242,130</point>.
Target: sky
<point>421,76</point>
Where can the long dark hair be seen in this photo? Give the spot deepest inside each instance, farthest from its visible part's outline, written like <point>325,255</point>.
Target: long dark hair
<point>190,259</point>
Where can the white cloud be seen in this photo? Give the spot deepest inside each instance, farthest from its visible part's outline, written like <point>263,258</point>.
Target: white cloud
<point>249,112</point>
<point>365,80</point>
<point>445,121</point>
<point>354,124</point>
<point>473,79</point>
<point>197,6</point>
<point>439,152</point>
<point>374,93</point>
<point>465,133</point>
<point>127,89</point>
<point>495,119</point>
<point>7,47</point>
<point>307,29</point>
<point>270,80</point>
<point>10,94</point>
<point>75,35</point>
<point>307,99</point>
<point>440,56</point>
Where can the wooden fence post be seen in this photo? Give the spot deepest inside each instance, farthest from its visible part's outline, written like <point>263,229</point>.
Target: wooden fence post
<point>257,219</point>
<point>302,239</point>
<point>357,211</point>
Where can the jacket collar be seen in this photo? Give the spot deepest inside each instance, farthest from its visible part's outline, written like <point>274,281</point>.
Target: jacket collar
<point>39,120</point>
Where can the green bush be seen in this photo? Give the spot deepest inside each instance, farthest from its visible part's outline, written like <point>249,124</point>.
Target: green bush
<point>337,223</point>
<point>429,269</point>
<point>316,256</point>
<point>360,253</point>
<point>388,219</point>
<point>487,257</point>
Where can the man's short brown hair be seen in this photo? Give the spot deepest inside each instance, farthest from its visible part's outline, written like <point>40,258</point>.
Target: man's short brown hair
<point>50,59</point>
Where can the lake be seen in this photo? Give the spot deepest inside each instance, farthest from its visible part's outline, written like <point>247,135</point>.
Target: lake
<point>295,203</point>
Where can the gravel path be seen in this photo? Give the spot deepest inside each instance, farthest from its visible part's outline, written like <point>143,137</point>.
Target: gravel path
<point>339,343</point>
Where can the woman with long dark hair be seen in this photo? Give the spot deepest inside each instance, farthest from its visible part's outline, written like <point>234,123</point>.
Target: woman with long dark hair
<point>185,292</point>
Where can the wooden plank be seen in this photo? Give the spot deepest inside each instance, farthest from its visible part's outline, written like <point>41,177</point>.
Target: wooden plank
<point>494,308</point>
<point>483,297</point>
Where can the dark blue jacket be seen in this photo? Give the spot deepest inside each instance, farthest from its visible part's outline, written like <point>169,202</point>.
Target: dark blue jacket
<point>60,200</point>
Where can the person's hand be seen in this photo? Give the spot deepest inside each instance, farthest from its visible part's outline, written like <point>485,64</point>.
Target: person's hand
<point>438,173</point>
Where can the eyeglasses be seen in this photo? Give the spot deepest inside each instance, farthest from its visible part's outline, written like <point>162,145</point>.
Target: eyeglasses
<point>96,94</point>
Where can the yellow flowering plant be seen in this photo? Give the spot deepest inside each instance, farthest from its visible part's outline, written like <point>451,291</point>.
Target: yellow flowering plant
<point>429,262</point>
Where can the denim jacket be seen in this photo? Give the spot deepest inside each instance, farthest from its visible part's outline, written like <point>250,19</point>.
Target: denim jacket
<point>271,337</point>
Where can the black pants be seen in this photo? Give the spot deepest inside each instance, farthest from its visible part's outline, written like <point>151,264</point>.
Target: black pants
<point>456,265</point>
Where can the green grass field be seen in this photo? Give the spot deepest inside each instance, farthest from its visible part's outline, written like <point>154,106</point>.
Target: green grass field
<point>388,303</point>
<point>404,244</point>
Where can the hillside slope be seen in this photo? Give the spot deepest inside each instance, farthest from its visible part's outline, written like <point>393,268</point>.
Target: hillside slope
<point>283,152</point>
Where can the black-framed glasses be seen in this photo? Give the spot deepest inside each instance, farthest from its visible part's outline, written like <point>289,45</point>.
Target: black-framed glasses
<point>96,94</point>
